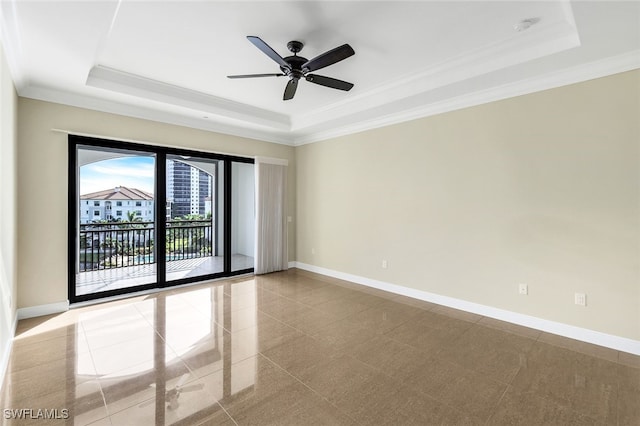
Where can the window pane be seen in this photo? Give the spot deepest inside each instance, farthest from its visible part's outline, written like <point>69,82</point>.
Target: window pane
<point>192,221</point>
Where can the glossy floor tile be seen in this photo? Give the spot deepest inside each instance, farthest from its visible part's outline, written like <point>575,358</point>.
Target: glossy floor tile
<point>297,348</point>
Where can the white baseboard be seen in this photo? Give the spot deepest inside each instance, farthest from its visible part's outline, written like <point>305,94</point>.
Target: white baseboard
<point>583,334</point>
<point>40,310</point>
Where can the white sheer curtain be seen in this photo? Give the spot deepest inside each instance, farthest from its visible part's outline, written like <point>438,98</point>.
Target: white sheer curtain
<point>271,252</point>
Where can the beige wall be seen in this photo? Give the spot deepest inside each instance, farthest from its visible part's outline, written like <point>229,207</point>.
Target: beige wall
<point>42,182</point>
<point>8,191</point>
<point>542,189</point>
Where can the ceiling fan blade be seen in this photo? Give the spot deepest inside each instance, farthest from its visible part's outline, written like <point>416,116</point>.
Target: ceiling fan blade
<point>328,58</point>
<point>254,75</point>
<point>334,83</point>
<point>290,90</point>
<point>267,50</point>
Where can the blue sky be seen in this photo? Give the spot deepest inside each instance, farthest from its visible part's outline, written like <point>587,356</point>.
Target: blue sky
<point>132,172</point>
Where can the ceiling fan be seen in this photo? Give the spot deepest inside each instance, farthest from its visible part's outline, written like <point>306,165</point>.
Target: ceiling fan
<point>296,67</point>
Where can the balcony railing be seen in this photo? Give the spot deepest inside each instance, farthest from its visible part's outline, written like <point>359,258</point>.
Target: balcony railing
<point>122,244</point>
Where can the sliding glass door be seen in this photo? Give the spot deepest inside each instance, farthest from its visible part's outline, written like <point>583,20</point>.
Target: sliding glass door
<point>115,241</point>
<point>143,217</point>
<point>194,219</point>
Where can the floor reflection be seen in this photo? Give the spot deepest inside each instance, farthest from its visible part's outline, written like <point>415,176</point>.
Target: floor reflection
<point>190,362</point>
<point>164,359</point>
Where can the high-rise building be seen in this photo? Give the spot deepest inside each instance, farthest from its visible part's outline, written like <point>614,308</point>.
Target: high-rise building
<point>187,189</point>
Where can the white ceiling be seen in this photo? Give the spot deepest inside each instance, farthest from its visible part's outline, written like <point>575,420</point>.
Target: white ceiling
<point>168,61</point>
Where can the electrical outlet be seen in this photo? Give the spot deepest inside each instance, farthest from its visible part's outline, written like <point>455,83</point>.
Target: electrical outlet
<point>581,299</point>
<point>523,289</point>
<point>313,251</point>
<point>385,264</point>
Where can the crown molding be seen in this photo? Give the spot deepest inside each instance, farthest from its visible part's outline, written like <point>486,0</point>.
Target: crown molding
<point>130,84</point>
<point>577,74</point>
<point>112,107</point>
<point>596,69</point>
<point>328,130</point>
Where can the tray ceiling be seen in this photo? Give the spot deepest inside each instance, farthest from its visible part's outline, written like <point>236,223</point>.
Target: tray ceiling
<point>168,61</point>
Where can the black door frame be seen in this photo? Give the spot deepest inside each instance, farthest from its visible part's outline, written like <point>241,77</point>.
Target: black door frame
<point>161,154</point>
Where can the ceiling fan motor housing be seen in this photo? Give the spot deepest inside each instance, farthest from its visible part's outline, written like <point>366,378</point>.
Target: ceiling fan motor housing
<point>296,63</point>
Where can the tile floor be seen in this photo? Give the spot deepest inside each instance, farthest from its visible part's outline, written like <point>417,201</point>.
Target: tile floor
<point>295,348</point>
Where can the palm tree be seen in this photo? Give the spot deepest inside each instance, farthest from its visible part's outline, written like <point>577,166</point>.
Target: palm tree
<point>132,217</point>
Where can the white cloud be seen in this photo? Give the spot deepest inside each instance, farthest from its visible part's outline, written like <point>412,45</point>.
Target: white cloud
<point>129,172</point>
